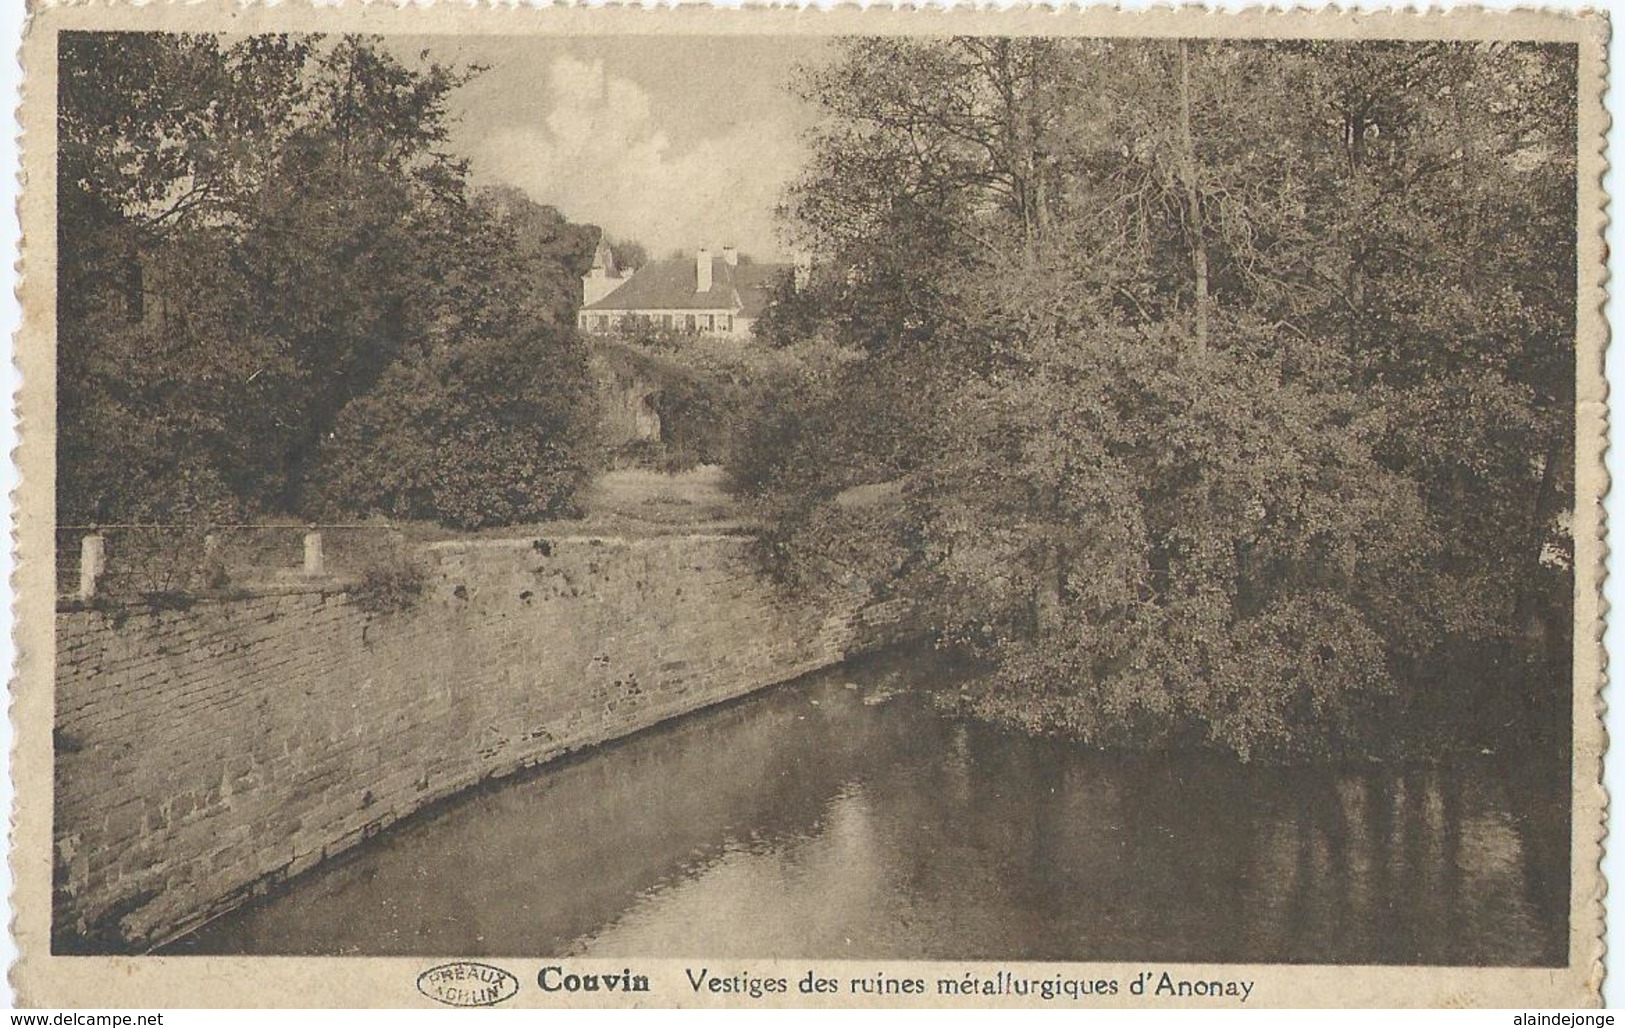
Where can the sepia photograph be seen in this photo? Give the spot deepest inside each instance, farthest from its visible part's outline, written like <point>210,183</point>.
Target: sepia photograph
<point>851,496</point>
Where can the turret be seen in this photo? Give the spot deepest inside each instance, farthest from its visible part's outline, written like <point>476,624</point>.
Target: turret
<point>602,278</point>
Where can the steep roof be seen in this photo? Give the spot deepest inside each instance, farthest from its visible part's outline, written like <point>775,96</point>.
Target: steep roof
<point>672,285</point>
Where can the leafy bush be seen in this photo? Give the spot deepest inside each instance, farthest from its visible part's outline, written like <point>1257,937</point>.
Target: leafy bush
<point>483,433</point>
<point>391,586</point>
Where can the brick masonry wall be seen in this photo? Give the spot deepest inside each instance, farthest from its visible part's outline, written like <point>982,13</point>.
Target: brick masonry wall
<point>205,754</point>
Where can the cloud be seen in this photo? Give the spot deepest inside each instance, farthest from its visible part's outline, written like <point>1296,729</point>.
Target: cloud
<point>602,154</point>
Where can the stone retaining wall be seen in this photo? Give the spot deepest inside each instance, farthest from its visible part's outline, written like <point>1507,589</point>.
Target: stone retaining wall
<point>206,753</point>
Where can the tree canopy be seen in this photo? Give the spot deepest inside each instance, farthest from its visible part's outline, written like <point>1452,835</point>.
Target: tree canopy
<point>1229,385</point>
<point>263,245</point>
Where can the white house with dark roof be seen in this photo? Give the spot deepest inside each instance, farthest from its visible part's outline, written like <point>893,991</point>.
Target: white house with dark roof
<point>707,294</point>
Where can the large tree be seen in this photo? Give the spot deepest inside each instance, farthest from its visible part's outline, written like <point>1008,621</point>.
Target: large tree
<point>1229,384</point>
<point>488,416</point>
<point>255,236</point>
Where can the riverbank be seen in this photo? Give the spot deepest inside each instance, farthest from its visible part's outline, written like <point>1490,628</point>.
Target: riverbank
<point>841,817</point>
<point>206,753</point>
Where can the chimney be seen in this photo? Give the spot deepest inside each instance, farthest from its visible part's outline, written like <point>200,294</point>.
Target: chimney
<point>702,270</point>
<point>730,256</point>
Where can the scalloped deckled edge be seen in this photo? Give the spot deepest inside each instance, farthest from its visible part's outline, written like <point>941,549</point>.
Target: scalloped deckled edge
<point>39,977</point>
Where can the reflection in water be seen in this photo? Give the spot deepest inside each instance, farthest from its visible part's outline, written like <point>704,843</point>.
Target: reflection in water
<point>806,823</point>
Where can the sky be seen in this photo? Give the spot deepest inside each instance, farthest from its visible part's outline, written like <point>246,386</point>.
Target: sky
<point>676,142</point>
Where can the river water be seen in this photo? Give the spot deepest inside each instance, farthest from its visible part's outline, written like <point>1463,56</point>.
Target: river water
<point>842,817</point>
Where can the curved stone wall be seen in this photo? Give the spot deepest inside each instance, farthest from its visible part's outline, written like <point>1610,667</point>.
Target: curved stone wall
<point>204,754</point>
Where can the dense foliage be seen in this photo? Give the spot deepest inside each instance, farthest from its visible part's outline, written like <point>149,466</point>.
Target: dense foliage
<point>1227,387</point>
<point>277,293</point>
<point>704,390</point>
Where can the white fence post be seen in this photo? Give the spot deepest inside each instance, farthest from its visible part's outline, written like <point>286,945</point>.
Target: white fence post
<point>313,553</point>
<point>92,561</point>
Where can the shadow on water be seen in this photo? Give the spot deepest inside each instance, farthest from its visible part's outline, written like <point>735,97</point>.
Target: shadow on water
<point>831,818</point>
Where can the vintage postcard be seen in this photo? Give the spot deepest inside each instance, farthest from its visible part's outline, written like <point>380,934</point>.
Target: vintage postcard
<point>688,507</point>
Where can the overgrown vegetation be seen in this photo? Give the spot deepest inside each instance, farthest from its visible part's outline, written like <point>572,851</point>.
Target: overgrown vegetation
<point>702,389</point>
<point>277,294</point>
<point>1211,393</point>
<point>392,585</point>
<point>1228,386</point>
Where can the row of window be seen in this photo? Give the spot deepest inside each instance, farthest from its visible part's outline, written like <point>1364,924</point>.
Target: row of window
<point>679,322</point>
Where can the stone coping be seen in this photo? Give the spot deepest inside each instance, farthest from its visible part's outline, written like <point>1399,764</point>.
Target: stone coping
<point>181,600</point>
<point>708,533</point>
